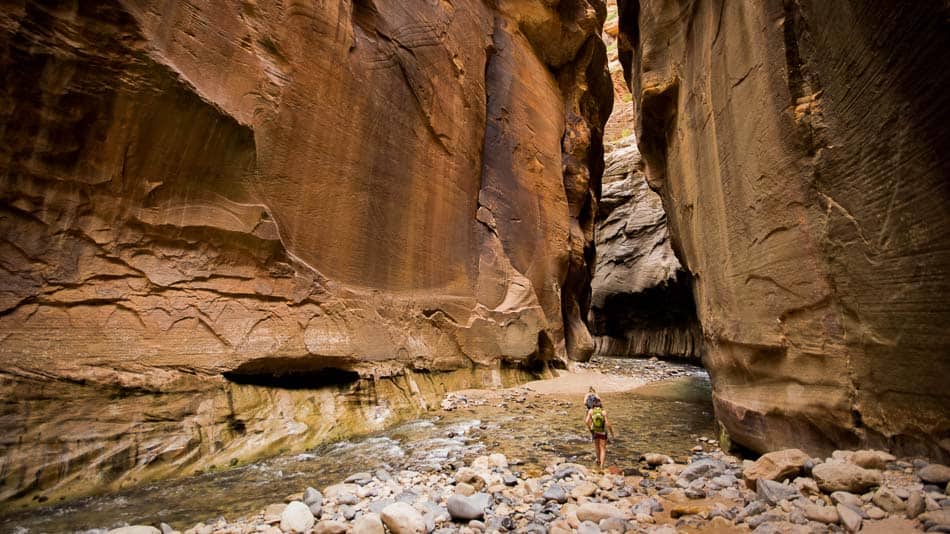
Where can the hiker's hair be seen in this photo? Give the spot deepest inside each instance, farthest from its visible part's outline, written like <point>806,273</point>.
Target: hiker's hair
<point>591,390</point>
<point>597,403</point>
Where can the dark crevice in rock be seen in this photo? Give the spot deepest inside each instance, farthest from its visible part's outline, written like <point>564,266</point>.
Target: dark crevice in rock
<point>291,373</point>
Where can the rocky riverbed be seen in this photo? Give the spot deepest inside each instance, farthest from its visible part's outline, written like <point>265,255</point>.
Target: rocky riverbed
<point>781,492</point>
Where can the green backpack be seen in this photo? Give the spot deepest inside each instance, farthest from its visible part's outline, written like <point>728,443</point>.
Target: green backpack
<point>598,419</point>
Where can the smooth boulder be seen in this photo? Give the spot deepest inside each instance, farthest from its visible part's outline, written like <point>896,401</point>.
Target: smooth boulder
<point>776,465</point>
<point>833,476</point>
<point>402,518</point>
<point>296,517</point>
<point>597,512</point>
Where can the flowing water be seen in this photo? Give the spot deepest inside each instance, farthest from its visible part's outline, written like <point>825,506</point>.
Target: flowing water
<point>665,416</point>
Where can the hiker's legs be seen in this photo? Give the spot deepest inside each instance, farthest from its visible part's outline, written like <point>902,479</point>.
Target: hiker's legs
<point>601,452</point>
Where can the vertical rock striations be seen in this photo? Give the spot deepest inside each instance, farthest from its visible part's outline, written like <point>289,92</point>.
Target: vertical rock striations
<point>642,301</point>
<point>801,151</point>
<point>269,190</point>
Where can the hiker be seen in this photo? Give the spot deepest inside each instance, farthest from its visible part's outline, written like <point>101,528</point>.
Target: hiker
<point>589,399</point>
<point>599,425</point>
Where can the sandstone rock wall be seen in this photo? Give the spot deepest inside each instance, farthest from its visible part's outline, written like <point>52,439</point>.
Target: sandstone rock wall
<point>642,302</point>
<point>801,150</point>
<point>270,189</point>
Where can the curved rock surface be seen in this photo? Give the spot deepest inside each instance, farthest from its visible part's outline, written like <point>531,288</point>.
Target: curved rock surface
<point>266,190</point>
<point>801,151</point>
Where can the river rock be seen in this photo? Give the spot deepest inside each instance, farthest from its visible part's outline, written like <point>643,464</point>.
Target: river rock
<point>584,489</point>
<point>847,499</point>
<point>468,508</point>
<point>916,504</point>
<point>772,492</point>
<point>648,506</point>
<point>850,519</point>
<point>807,486</point>
<point>498,460</point>
<point>777,465</point>
<point>330,527</point>
<point>888,501</point>
<point>936,519</point>
<point>935,474</point>
<point>706,467</point>
<point>368,524</point>
<point>820,513</point>
<point>614,524</point>
<point>555,493</point>
<point>588,527</point>
<point>312,496</point>
<point>832,476</point>
<point>873,512</point>
<point>296,517</point>
<point>136,529</point>
<point>402,518</point>
<point>598,511</point>
<point>872,459</point>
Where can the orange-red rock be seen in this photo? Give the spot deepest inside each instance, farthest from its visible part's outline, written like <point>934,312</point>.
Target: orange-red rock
<point>801,150</point>
<point>267,188</point>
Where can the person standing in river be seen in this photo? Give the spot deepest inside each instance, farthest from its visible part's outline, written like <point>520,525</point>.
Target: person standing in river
<point>599,425</point>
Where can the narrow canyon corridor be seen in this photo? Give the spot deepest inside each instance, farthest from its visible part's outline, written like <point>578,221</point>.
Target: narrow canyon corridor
<point>352,265</point>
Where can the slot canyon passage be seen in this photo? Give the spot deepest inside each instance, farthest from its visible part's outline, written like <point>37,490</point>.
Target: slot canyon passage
<point>252,248</point>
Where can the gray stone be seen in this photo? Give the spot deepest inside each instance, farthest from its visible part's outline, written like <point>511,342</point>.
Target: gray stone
<point>296,517</point>
<point>588,527</point>
<point>754,508</point>
<point>311,496</point>
<point>166,528</point>
<point>466,508</point>
<point>773,492</point>
<point>348,512</point>
<point>850,519</point>
<point>555,493</point>
<point>614,524</point>
<point>648,506</point>
<point>377,507</point>
<point>362,478</point>
<point>767,517</point>
<point>935,474</point>
<point>706,467</point>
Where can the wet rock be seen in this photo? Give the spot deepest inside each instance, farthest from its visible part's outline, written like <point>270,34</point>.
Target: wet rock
<point>368,524</point>
<point>772,492</point>
<point>872,459</point>
<point>888,501</point>
<point>296,517</point>
<point>330,527</point>
<point>935,474</point>
<point>468,508</point>
<point>777,465</point>
<point>597,512</point>
<point>588,527</point>
<point>402,518</point>
<point>555,493</point>
<point>850,519</point>
<point>845,477</point>
<point>822,514</point>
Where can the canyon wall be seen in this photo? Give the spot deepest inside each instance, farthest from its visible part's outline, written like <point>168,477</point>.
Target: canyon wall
<point>200,194</point>
<point>800,147</point>
<point>642,301</point>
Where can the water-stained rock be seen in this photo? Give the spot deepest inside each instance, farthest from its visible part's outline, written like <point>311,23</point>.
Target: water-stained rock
<point>813,215</point>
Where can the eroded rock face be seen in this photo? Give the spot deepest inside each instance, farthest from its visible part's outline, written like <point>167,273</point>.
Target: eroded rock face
<point>269,188</point>
<point>642,302</point>
<point>801,151</point>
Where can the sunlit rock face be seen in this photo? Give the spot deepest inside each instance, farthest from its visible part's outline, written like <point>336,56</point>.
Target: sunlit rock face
<point>801,151</point>
<point>190,189</point>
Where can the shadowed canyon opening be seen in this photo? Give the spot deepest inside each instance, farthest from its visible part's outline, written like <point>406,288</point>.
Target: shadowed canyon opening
<point>382,249</point>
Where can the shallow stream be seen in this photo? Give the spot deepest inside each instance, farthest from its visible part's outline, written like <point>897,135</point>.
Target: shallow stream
<point>666,416</point>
